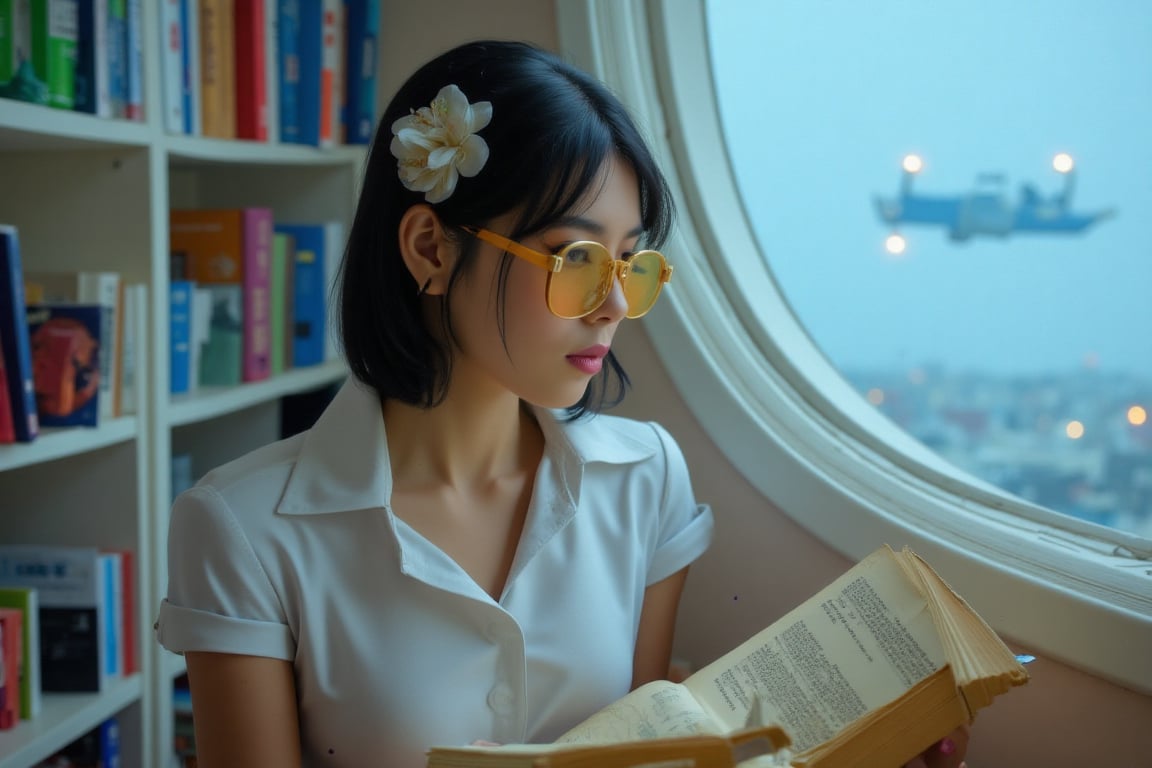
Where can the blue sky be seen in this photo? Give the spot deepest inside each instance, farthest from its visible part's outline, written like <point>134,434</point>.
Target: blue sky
<point>821,100</point>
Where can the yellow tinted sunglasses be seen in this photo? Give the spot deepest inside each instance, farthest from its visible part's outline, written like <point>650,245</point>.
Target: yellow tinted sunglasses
<point>580,275</point>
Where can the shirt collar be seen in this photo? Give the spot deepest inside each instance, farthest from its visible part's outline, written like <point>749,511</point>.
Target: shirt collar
<point>343,464</point>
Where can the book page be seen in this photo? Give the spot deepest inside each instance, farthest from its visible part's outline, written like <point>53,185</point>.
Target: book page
<point>857,645</point>
<point>656,710</point>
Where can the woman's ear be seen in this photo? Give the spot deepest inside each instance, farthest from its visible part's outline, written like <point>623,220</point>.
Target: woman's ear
<point>426,249</point>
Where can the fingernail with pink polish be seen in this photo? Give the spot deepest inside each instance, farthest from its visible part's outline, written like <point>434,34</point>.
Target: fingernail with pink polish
<point>947,746</point>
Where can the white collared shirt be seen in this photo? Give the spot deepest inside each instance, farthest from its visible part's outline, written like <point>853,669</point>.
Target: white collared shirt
<point>292,552</point>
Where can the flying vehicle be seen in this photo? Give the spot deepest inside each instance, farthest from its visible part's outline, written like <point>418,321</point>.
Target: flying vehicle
<point>988,210</point>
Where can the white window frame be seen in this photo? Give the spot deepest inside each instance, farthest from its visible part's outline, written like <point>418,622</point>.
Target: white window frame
<point>1073,591</point>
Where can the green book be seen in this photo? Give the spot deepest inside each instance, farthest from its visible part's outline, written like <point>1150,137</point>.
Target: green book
<point>55,27</point>
<point>27,600</point>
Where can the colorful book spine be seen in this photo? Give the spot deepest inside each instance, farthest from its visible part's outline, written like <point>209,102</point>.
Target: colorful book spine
<point>91,79</point>
<point>17,346</point>
<point>361,51</point>
<point>118,57</point>
<point>134,61</point>
<point>172,66</point>
<point>251,76</point>
<point>331,69</point>
<point>27,601</point>
<point>190,65</point>
<point>180,336</point>
<point>114,605</point>
<point>55,27</point>
<point>288,69</point>
<point>281,302</point>
<point>309,293</point>
<point>309,50</point>
<point>257,275</point>
<point>66,341</point>
<point>11,652</point>
<point>7,430</point>
<point>217,69</point>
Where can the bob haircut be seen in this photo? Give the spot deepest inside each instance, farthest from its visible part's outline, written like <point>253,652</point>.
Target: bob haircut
<point>553,127</point>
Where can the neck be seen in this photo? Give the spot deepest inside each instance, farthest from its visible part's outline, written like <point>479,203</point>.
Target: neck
<point>464,443</point>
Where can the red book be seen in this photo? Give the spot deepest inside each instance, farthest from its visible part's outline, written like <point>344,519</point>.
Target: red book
<point>7,427</point>
<point>11,652</point>
<point>251,75</point>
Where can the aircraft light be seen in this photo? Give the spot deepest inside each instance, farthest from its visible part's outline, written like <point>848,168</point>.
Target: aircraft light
<point>913,163</point>
<point>895,245</point>
<point>875,396</point>
<point>1074,430</point>
<point>1063,162</point>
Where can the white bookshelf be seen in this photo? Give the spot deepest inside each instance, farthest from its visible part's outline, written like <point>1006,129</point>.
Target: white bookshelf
<point>93,193</point>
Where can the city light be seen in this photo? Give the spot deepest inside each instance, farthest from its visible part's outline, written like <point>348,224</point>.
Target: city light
<point>895,245</point>
<point>1137,416</point>
<point>875,396</point>
<point>1062,162</point>
<point>1074,430</point>
<point>913,163</point>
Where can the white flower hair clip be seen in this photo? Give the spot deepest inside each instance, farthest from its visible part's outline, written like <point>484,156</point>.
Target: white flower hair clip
<point>436,145</point>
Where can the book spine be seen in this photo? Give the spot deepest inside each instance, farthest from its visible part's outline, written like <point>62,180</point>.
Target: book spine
<point>117,47</point>
<point>113,651</point>
<point>309,39</point>
<point>128,640</point>
<point>172,65</point>
<point>310,301</point>
<point>11,653</point>
<point>190,65</point>
<point>217,69</point>
<point>104,288</point>
<point>251,79</point>
<point>108,739</point>
<point>17,345</point>
<point>331,60</point>
<point>272,69</point>
<point>134,61</point>
<point>257,272</point>
<point>54,37</point>
<point>333,253</point>
<point>7,428</point>
<point>180,335</point>
<point>26,600</point>
<point>288,69</point>
<point>359,113</point>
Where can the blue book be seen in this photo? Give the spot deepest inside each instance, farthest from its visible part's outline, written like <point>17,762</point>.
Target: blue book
<point>118,57</point>
<point>288,65</point>
<point>108,739</point>
<point>114,603</point>
<point>14,340</point>
<point>188,65</point>
<point>363,34</point>
<point>310,293</point>
<point>309,52</point>
<point>66,340</point>
<point>180,294</point>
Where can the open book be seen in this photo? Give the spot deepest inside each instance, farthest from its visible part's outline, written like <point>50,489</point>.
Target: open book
<point>871,671</point>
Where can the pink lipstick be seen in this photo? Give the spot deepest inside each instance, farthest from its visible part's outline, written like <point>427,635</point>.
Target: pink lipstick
<point>589,360</point>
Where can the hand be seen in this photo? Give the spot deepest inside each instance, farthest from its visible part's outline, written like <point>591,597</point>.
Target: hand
<point>946,753</point>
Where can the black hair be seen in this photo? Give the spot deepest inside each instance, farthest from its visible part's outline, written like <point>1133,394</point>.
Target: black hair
<point>553,128</point>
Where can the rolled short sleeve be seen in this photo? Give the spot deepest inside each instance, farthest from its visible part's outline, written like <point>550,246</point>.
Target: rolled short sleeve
<point>219,596</point>
<point>685,525</point>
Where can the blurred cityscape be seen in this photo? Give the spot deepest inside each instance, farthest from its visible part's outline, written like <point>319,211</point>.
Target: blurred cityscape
<point>1080,444</point>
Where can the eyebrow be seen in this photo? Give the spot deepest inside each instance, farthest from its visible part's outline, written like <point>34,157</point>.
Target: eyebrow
<point>588,225</point>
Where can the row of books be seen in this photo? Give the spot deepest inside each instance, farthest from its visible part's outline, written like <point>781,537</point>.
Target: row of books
<point>82,55</point>
<point>294,71</point>
<point>68,345</point>
<point>249,296</point>
<point>67,623</point>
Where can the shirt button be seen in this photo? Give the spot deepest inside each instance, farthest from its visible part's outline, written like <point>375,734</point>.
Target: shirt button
<point>501,700</point>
